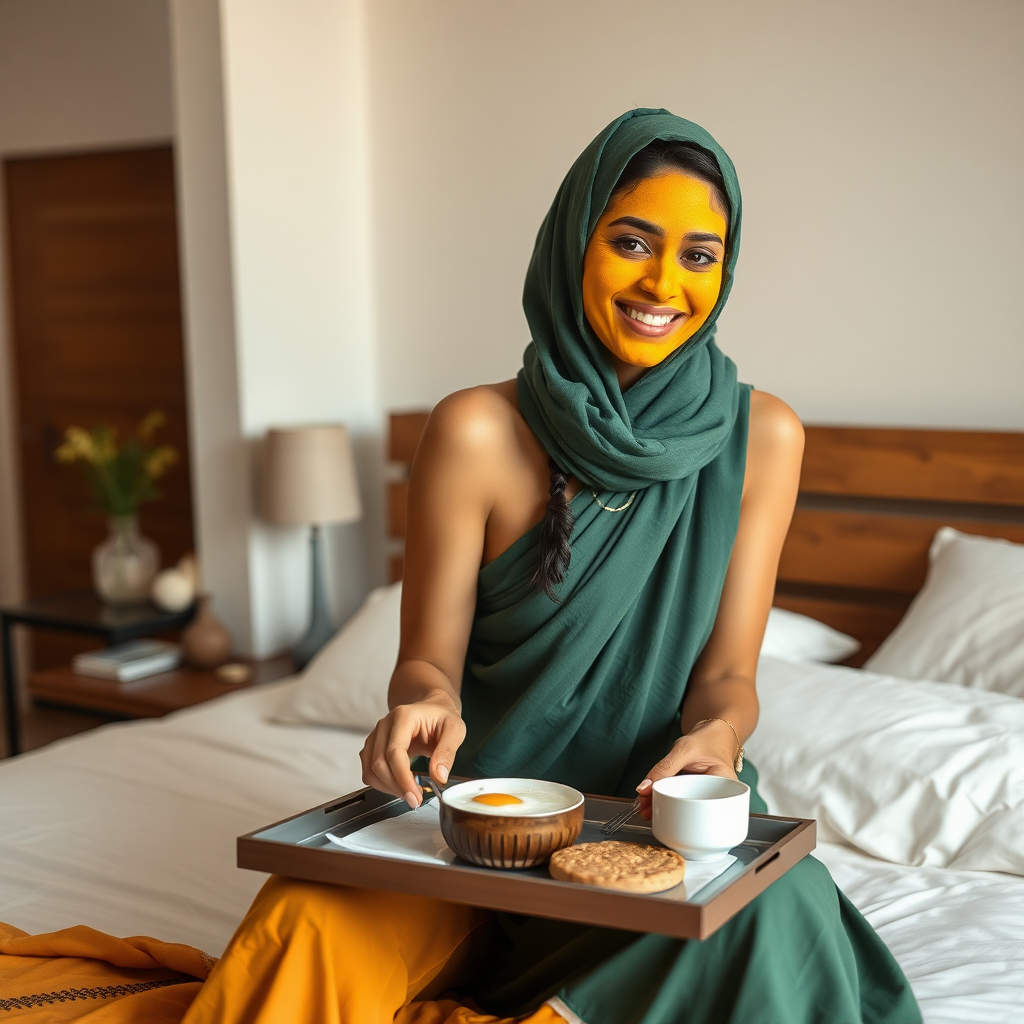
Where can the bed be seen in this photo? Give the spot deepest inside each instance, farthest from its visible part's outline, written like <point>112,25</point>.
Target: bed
<point>131,828</point>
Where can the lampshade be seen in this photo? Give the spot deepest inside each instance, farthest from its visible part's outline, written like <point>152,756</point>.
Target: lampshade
<point>309,476</point>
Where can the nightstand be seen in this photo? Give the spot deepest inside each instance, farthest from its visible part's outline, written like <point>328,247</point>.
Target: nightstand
<point>74,613</point>
<point>146,698</point>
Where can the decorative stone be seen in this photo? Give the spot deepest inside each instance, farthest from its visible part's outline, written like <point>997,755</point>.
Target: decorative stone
<point>172,591</point>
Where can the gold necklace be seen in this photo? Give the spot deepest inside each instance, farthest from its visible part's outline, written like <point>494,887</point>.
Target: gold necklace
<point>621,508</point>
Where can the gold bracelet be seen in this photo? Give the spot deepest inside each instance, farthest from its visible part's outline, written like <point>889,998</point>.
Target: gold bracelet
<point>738,762</point>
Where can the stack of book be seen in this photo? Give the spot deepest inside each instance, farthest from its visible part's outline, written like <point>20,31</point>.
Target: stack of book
<point>132,660</point>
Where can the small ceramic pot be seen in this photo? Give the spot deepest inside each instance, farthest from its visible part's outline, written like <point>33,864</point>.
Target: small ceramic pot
<point>205,642</point>
<point>515,840</point>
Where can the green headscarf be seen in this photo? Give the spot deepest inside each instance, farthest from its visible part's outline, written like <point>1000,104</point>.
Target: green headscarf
<point>587,689</point>
<point>676,418</point>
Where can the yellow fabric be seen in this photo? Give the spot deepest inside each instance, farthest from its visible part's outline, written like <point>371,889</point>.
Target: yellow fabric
<point>78,974</point>
<point>447,1011</point>
<point>304,954</point>
<point>336,955</point>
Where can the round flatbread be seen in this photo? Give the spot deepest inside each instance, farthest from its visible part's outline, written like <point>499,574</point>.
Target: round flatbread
<point>617,865</point>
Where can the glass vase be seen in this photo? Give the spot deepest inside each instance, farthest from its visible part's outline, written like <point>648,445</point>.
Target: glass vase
<point>124,565</point>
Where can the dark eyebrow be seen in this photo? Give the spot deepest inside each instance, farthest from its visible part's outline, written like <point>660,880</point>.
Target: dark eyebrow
<point>640,225</point>
<point>653,229</point>
<point>703,236</point>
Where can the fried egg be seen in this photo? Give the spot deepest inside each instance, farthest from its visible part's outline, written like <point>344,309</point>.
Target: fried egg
<point>508,800</point>
<point>496,799</point>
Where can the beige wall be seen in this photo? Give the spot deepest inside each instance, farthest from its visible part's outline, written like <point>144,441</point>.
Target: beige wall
<point>83,73</point>
<point>299,179</point>
<point>221,482</point>
<point>879,145</point>
<point>274,175</point>
<point>74,74</point>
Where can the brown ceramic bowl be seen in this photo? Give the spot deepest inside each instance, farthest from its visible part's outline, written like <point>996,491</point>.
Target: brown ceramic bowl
<point>512,838</point>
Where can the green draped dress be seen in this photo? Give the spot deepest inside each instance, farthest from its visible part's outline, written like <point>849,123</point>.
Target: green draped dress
<point>587,690</point>
<point>544,697</point>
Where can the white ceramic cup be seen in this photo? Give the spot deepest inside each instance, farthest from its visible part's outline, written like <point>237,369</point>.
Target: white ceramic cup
<point>701,817</point>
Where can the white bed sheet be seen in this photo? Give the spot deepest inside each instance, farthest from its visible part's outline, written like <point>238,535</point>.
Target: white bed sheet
<point>958,935</point>
<point>131,829</point>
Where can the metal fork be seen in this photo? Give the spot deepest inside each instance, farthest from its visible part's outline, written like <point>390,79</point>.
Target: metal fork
<point>426,782</point>
<point>614,824</point>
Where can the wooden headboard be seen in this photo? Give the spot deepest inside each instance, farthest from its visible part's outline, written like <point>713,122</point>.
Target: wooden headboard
<point>870,502</point>
<point>404,429</point>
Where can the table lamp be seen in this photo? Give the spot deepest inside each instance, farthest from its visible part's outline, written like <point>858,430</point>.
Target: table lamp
<point>309,478</point>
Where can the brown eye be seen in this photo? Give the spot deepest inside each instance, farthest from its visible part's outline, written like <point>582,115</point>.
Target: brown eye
<point>701,258</point>
<point>632,246</point>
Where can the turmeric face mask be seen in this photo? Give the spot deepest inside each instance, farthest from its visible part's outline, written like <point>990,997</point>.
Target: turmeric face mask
<point>652,271</point>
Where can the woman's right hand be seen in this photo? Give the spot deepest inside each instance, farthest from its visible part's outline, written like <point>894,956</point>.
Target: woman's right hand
<point>432,726</point>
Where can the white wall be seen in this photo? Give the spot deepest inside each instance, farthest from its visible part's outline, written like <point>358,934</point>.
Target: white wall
<point>74,74</point>
<point>273,152</point>
<point>879,146</point>
<point>220,459</point>
<point>299,156</point>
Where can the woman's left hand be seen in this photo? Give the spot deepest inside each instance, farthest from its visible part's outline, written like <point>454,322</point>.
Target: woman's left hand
<point>709,749</point>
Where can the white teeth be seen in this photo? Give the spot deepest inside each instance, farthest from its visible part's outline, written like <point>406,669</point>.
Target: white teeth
<point>647,318</point>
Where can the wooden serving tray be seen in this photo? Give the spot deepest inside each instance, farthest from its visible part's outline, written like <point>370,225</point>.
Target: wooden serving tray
<point>298,848</point>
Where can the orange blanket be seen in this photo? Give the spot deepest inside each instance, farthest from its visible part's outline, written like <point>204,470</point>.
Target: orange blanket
<point>79,974</point>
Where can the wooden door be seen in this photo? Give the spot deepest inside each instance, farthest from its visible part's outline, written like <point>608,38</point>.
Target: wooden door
<point>97,338</point>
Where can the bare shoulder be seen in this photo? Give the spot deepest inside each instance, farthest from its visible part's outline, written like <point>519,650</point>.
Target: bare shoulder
<point>775,430</point>
<point>775,444</point>
<point>470,423</point>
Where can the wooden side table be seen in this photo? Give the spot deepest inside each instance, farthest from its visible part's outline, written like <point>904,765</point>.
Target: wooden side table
<point>74,613</point>
<point>145,698</point>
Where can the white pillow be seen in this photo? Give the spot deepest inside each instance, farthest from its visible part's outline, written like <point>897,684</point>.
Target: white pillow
<point>966,625</point>
<point>346,684</point>
<point>912,772</point>
<point>799,638</point>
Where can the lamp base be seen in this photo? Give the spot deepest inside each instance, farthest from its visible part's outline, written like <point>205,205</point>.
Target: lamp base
<point>321,629</point>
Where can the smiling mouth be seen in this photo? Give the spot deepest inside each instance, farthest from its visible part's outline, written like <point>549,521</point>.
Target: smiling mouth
<point>649,323</point>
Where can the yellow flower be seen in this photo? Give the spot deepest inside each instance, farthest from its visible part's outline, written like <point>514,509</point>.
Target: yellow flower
<point>121,476</point>
<point>151,423</point>
<point>160,460</point>
<point>78,444</point>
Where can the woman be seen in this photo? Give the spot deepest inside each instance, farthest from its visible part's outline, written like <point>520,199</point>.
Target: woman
<point>607,662</point>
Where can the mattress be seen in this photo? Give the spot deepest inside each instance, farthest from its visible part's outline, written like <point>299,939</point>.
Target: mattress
<point>131,829</point>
